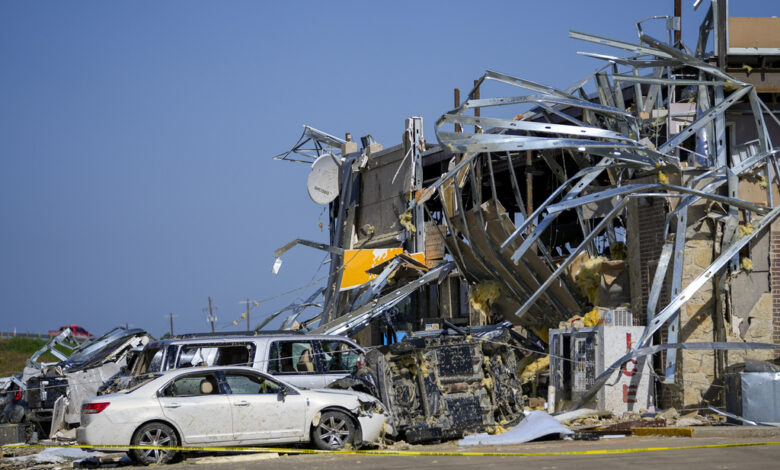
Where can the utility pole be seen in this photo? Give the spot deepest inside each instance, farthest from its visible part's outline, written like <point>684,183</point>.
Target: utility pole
<point>677,21</point>
<point>477,129</point>
<point>211,318</point>
<point>171,317</point>
<point>247,302</point>
<point>458,127</point>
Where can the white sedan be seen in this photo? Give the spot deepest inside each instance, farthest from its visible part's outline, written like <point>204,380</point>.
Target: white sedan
<point>227,406</point>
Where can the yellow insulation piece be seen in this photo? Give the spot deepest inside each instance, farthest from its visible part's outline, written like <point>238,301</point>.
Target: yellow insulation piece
<point>662,178</point>
<point>483,295</point>
<point>531,370</point>
<point>542,333</point>
<point>497,429</point>
<point>406,222</point>
<point>592,318</point>
<point>588,278</point>
<point>746,264</point>
<point>763,183</point>
<point>618,250</point>
<point>745,229</point>
<point>487,382</point>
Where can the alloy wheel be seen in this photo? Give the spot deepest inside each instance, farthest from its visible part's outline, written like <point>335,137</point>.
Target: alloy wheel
<point>334,431</point>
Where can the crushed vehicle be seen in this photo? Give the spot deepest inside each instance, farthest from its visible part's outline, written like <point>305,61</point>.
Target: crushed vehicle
<point>51,394</point>
<point>227,406</point>
<point>439,385</point>
<point>308,361</point>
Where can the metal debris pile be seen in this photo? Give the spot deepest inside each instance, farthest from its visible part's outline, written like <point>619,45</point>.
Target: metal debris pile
<point>49,396</point>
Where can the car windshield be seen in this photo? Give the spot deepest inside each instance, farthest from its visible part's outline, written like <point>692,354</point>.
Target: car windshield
<point>90,349</point>
<point>97,350</point>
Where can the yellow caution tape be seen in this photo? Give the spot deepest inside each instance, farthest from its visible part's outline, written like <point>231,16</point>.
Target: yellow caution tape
<point>678,432</point>
<point>408,453</point>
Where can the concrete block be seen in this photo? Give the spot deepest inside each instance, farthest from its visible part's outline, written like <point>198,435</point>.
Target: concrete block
<point>349,147</point>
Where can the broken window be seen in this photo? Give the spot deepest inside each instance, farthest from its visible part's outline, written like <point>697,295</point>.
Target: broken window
<point>295,357</point>
<point>150,361</point>
<point>338,356</point>
<point>201,355</point>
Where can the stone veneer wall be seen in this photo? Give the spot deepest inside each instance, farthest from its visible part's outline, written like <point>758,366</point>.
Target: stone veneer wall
<point>698,375</point>
<point>696,370</point>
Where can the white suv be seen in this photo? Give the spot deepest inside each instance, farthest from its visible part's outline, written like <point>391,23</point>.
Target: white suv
<point>307,361</point>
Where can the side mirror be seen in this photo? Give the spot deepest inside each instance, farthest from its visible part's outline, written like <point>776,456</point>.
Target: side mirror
<point>282,393</point>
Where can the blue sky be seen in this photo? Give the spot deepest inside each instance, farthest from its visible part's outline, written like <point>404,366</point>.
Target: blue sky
<point>136,137</point>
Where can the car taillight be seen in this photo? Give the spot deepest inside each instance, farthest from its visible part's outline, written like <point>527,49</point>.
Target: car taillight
<point>94,408</point>
<point>18,395</point>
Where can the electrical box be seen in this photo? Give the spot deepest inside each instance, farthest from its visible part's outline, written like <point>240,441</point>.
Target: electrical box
<point>12,434</point>
<point>578,356</point>
<point>754,396</point>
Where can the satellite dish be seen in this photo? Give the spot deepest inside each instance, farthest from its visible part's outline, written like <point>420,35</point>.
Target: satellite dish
<point>323,183</point>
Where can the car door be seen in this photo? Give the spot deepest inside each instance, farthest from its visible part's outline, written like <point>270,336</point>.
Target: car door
<point>197,405</point>
<point>336,359</point>
<point>294,362</point>
<point>260,412</point>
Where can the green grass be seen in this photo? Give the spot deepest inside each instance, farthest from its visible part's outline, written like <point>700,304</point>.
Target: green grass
<point>14,353</point>
<point>22,345</point>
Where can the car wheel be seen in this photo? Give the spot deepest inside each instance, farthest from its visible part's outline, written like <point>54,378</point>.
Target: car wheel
<point>154,434</point>
<point>334,431</point>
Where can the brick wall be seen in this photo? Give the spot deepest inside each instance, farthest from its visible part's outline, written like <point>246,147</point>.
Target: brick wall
<point>652,218</point>
<point>651,221</point>
<point>774,279</point>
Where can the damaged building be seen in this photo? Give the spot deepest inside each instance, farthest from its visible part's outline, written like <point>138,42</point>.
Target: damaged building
<point>643,198</point>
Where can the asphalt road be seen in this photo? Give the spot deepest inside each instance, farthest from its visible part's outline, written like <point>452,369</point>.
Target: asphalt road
<point>759,457</point>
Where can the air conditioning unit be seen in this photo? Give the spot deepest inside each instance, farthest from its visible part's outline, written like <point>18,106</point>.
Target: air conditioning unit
<point>578,356</point>
<point>616,316</point>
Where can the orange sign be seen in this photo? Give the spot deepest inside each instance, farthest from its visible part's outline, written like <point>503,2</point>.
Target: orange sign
<point>357,262</point>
